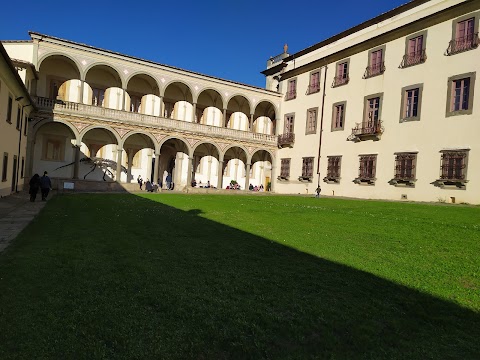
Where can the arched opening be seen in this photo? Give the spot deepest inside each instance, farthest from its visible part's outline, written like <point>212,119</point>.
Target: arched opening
<point>209,108</point>
<point>103,88</point>
<point>261,171</point>
<point>53,150</point>
<point>143,95</point>
<point>138,158</point>
<point>205,166</point>
<point>234,167</point>
<point>238,112</point>
<point>173,166</point>
<point>177,102</point>
<point>264,118</point>
<point>98,159</point>
<point>59,79</point>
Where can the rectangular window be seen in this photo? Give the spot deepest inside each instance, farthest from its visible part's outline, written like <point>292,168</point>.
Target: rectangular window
<point>9,110</point>
<point>341,77</point>
<point>454,165</point>
<point>373,110</point>
<point>5,166</point>
<point>415,46</point>
<point>311,127</point>
<point>333,167</point>
<point>19,112</point>
<point>460,94</point>
<point>314,85</point>
<point>405,166</point>
<point>98,96</point>
<point>465,35</point>
<point>375,63</point>
<point>338,116</point>
<point>291,90</point>
<point>415,50</point>
<point>411,103</point>
<point>367,167</point>
<point>289,123</point>
<point>307,167</point>
<point>285,168</point>
<point>22,169</point>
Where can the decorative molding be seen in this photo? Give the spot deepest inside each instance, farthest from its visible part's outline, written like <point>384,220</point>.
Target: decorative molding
<point>192,141</point>
<point>121,131</point>
<point>78,125</point>
<point>159,137</point>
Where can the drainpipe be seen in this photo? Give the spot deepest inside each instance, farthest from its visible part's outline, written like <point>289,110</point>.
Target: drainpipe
<point>321,125</point>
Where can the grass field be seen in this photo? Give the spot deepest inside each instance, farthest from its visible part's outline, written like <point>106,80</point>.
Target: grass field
<point>212,277</point>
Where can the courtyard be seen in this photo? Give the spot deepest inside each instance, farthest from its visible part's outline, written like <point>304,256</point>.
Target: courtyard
<point>214,276</point>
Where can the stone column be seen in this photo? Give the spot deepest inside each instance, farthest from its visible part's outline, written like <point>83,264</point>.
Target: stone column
<point>177,178</point>
<point>191,159</point>
<point>209,174</point>
<point>119,164</point>
<point>220,174</point>
<point>29,156</point>
<point>82,89</point>
<point>224,117</point>
<point>247,176</point>
<point>76,165</point>
<point>155,170</point>
<point>194,113</point>
<point>130,154</point>
<point>161,106</point>
<point>149,165</point>
<point>277,123</point>
<point>124,97</point>
<point>273,179</point>
<point>251,122</point>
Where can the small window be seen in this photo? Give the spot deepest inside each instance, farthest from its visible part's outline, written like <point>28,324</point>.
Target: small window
<point>338,120</point>
<point>314,84</point>
<point>311,126</point>
<point>415,50</point>
<point>405,164</point>
<point>289,123</point>
<point>19,117</point>
<point>372,111</point>
<point>367,170</point>
<point>5,166</point>
<point>284,169</point>
<point>341,76</point>
<point>9,110</point>
<point>411,102</point>
<point>454,165</point>
<point>333,169</point>
<point>307,169</point>
<point>291,90</point>
<point>460,94</point>
<point>376,65</point>
<point>464,35</point>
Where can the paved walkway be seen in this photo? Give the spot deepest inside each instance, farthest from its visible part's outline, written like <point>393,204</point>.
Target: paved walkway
<point>16,212</point>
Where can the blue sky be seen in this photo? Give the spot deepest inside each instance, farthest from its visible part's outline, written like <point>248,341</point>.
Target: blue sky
<point>226,39</point>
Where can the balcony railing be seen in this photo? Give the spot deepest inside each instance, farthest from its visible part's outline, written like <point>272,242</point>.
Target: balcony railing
<point>374,70</point>
<point>290,95</point>
<point>462,44</point>
<point>286,139</point>
<point>313,88</point>
<point>413,59</point>
<point>340,80</point>
<point>365,130</point>
<point>119,116</point>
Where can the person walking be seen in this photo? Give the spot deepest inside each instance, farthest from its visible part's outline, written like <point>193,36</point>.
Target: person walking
<point>318,191</point>
<point>34,186</point>
<point>140,181</point>
<point>45,185</point>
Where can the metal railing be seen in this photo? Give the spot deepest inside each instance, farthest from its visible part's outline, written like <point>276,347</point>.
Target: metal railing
<point>340,80</point>
<point>313,88</point>
<point>276,59</point>
<point>374,70</point>
<point>413,59</point>
<point>286,139</point>
<point>156,121</point>
<point>373,127</point>
<point>290,95</point>
<point>463,43</point>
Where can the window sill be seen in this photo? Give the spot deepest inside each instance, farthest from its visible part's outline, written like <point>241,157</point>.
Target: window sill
<point>312,92</point>
<point>373,75</point>
<point>459,112</point>
<point>409,119</point>
<point>360,181</point>
<point>330,180</point>
<point>282,179</point>
<point>403,183</point>
<point>337,129</point>
<point>305,179</point>
<point>451,184</point>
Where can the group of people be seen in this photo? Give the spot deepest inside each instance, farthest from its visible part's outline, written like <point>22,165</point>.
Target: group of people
<point>151,186</point>
<point>256,188</point>
<point>43,183</point>
<point>200,185</point>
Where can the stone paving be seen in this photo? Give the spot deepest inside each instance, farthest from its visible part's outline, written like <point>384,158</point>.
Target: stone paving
<point>16,212</point>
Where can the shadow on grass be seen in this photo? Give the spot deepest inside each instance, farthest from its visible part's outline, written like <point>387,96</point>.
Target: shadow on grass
<point>120,276</point>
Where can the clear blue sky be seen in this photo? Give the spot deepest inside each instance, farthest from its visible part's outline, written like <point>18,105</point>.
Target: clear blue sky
<point>223,38</point>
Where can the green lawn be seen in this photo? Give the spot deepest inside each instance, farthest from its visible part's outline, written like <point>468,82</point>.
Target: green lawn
<point>212,277</point>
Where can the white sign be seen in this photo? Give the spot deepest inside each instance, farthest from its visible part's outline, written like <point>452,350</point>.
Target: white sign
<point>68,185</point>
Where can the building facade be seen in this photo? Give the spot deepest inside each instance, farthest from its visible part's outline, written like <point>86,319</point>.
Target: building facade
<point>385,110</point>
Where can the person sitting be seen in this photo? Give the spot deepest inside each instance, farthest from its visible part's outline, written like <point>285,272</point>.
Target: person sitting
<point>255,188</point>
<point>250,187</point>
<point>194,183</point>
<point>208,184</point>
<point>148,186</point>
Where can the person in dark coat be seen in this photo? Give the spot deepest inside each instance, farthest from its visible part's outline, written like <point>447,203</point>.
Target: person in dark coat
<point>34,186</point>
<point>45,185</point>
